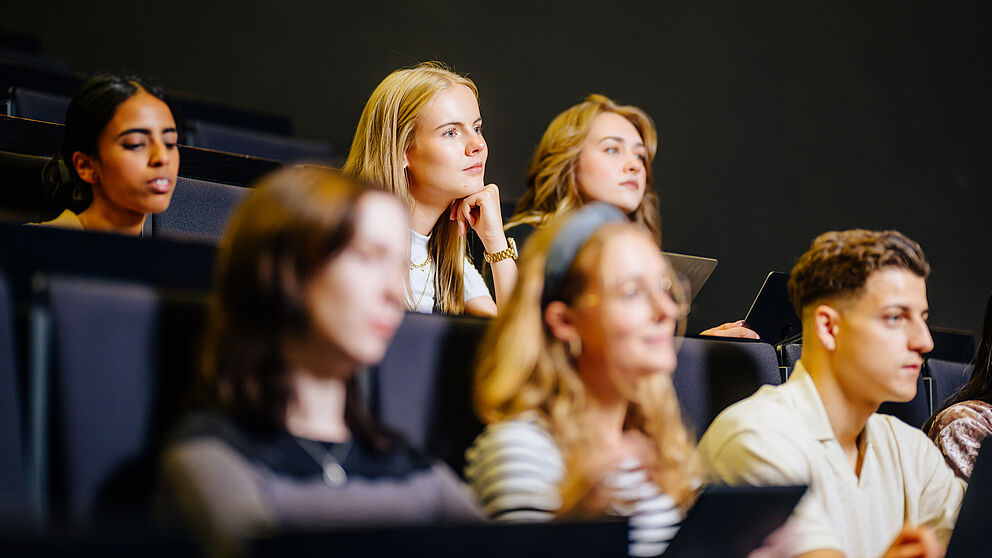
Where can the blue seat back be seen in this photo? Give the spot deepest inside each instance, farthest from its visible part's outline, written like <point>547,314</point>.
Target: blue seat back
<point>199,210</point>
<point>948,377</point>
<point>286,149</point>
<point>38,105</point>
<point>13,482</point>
<point>423,386</point>
<point>916,411</point>
<point>714,374</point>
<point>122,356</point>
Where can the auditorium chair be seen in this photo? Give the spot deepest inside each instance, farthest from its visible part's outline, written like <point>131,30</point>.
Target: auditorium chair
<point>199,210</point>
<point>28,251</point>
<point>286,149</point>
<point>956,345</point>
<point>111,367</point>
<point>916,411</point>
<point>22,198</point>
<point>423,386</point>
<point>788,356</point>
<point>37,105</point>
<point>13,482</point>
<point>948,377</point>
<point>714,374</point>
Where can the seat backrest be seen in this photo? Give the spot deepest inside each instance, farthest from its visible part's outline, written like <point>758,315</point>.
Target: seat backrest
<point>788,355</point>
<point>714,374</point>
<point>13,482</point>
<point>21,195</point>
<point>44,139</point>
<point>956,345</point>
<point>122,358</point>
<point>916,411</point>
<point>38,105</point>
<point>948,377</point>
<point>286,149</point>
<point>199,210</point>
<point>423,386</point>
<point>28,251</point>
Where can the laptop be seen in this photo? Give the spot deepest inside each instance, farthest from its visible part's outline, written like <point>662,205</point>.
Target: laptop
<point>971,532</point>
<point>771,314</point>
<point>731,521</point>
<point>696,269</point>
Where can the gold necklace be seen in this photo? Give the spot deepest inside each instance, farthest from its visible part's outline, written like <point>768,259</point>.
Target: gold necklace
<point>426,283</point>
<point>420,266</point>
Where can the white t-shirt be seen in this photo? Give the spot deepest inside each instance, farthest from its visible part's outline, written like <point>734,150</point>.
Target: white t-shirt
<point>422,277</point>
<point>781,436</point>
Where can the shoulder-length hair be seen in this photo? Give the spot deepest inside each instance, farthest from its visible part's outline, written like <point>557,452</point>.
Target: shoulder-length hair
<point>285,231</point>
<point>524,367</point>
<point>385,133</point>
<point>552,189</point>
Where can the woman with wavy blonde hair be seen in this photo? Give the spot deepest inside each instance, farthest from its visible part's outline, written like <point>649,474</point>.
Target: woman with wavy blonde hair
<point>597,150</point>
<point>420,135</point>
<point>575,385</point>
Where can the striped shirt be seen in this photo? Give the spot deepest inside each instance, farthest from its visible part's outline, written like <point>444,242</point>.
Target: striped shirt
<point>516,469</point>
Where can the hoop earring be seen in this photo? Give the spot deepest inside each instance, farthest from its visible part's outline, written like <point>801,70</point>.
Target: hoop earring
<point>574,346</point>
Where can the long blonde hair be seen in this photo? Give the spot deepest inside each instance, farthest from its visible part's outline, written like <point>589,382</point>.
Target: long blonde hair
<point>552,190</point>
<point>524,367</point>
<point>385,132</point>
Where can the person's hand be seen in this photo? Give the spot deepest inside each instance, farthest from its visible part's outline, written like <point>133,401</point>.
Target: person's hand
<point>915,541</point>
<point>481,211</point>
<point>592,486</point>
<point>732,329</point>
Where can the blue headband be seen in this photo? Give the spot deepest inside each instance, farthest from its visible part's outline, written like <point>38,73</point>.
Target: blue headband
<point>571,237</point>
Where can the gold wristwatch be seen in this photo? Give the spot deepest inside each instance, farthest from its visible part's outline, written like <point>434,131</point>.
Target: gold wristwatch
<point>509,252</point>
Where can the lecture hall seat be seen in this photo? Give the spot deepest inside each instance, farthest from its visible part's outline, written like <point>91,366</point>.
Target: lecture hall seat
<point>423,386</point>
<point>713,374</point>
<point>117,361</point>
<point>13,481</point>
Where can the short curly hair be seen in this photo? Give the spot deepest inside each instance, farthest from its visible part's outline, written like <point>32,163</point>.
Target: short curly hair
<point>838,263</point>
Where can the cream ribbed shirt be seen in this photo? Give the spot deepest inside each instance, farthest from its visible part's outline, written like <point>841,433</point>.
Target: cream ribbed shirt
<point>781,436</point>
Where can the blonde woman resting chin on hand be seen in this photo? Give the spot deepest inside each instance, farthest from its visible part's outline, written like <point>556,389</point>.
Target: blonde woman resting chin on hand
<point>575,385</point>
<point>597,150</point>
<point>420,135</point>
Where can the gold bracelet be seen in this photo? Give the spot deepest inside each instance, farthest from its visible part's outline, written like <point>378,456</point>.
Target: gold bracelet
<point>509,252</point>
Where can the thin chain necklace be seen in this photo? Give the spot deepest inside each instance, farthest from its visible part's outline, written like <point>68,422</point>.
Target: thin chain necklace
<point>427,282</point>
<point>334,473</point>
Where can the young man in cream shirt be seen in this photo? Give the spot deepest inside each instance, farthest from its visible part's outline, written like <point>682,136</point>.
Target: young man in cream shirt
<point>877,486</point>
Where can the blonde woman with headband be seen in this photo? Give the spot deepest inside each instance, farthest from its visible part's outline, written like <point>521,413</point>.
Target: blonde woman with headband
<point>597,150</point>
<point>575,385</point>
<point>421,136</point>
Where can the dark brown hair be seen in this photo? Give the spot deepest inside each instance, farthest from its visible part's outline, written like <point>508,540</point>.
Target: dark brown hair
<point>838,263</point>
<point>284,232</point>
<point>89,112</point>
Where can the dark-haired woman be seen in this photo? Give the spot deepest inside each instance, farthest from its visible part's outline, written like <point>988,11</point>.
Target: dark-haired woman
<point>964,420</point>
<point>309,289</point>
<point>119,160</point>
